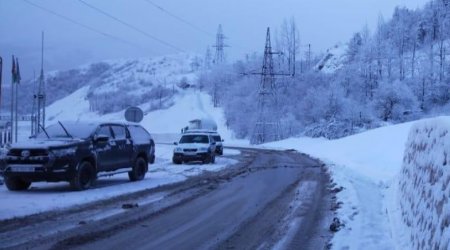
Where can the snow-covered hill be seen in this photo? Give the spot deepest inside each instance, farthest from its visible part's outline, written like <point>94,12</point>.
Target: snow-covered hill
<point>333,60</point>
<point>187,105</point>
<point>115,84</point>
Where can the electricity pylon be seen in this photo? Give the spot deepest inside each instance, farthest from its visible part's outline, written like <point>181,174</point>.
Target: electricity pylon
<point>220,45</point>
<point>267,127</point>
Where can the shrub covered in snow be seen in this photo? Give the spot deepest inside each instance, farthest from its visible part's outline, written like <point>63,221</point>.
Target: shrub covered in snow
<point>425,185</point>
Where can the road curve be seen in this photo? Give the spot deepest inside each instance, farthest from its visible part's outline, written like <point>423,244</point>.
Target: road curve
<point>269,200</point>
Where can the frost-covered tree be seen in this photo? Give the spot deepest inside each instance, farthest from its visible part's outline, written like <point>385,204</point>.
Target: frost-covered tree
<point>395,101</point>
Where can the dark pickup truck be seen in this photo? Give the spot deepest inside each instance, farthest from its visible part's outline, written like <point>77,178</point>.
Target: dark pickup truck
<point>79,152</point>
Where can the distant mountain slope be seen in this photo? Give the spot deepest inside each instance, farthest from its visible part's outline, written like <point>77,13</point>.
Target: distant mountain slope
<point>159,86</point>
<point>113,85</point>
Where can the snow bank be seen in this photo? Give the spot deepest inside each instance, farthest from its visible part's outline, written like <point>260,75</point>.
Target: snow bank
<point>364,165</point>
<point>424,185</point>
<point>376,154</point>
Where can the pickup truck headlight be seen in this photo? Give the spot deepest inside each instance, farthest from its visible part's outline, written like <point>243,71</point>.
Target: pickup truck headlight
<point>63,152</point>
<point>177,150</point>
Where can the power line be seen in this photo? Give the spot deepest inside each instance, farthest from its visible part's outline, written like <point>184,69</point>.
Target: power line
<point>80,24</point>
<point>131,26</point>
<point>159,7</point>
<point>178,18</point>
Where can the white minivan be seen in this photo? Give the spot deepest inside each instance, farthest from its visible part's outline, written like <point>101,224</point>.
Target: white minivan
<point>195,146</point>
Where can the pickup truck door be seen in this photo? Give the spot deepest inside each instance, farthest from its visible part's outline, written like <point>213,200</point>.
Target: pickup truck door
<point>105,152</point>
<point>124,152</point>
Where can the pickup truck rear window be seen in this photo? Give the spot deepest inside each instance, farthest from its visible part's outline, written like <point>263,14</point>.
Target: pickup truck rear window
<point>139,134</point>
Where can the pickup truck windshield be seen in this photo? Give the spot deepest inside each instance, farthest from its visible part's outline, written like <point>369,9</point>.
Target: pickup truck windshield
<point>81,131</point>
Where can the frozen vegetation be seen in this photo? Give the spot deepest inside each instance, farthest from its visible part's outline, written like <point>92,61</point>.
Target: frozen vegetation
<point>396,73</point>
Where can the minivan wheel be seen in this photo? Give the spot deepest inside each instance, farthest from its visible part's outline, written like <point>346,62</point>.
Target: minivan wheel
<point>139,170</point>
<point>177,162</point>
<point>208,159</point>
<point>16,184</point>
<point>84,177</point>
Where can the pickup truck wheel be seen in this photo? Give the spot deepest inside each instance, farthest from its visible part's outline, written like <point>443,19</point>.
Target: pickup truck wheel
<point>139,170</point>
<point>84,177</point>
<point>152,159</point>
<point>16,184</point>
<point>213,159</point>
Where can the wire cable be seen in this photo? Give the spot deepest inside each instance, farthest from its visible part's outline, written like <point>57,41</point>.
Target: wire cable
<point>179,18</point>
<point>80,24</point>
<point>131,26</point>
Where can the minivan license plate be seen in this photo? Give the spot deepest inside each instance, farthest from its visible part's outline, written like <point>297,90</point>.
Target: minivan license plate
<point>22,169</point>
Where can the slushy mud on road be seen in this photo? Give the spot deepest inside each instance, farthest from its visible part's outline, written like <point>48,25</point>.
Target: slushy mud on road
<point>269,200</point>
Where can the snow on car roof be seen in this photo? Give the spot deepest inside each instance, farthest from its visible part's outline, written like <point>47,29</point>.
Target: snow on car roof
<point>191,131</point>
<point>96,122</point>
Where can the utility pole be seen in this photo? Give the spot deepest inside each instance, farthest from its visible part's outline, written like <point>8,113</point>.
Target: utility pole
<point>208,58</point>
<point>13,81</point>
<point>33,108</point>
<point>309,56</point>
<point>1,73</point>
<point>16,107</point>
<point>41,95</point>
<point>220,45</point>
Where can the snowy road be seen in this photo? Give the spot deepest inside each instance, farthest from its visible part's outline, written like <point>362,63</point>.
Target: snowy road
<point>270,199</point>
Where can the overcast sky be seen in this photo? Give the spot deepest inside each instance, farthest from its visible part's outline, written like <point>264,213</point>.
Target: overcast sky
<point>323,23</point>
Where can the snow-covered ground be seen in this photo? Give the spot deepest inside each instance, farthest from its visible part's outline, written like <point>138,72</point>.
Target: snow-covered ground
<point>165,124</point>
<point>49,196</point>
<point>365,165</point>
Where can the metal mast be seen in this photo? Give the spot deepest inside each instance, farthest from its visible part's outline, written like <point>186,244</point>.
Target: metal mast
<point>41,96</point>
<point>220,45</point>
<point>1,72</point>
<point>208,59</point>
<point>268,123</point>
<point>33,108</point>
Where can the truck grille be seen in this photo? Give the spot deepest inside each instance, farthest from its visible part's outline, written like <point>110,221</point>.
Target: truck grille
<point>190,150</point>
<point>32,152</point>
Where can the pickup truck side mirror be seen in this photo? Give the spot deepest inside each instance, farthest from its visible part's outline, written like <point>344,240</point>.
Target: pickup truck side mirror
<point>101,139</point>
<point>222,140</point>
<point>175,143</point>
<point>213,143</point>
